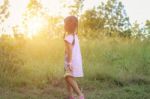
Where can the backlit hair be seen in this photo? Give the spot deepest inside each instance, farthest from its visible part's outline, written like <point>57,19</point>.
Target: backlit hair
<point>70,24</point>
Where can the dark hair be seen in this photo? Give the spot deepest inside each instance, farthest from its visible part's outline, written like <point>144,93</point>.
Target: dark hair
<point>70,24</point>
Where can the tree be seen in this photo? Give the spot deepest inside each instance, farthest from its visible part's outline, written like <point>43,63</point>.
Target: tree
<point>91,23</point>
<point>116,19</point>
<point>136,30</point>
<point>108,18</point>
<point>10,56</point>
<point>147,28</point>
<point>76,7</point>
<point>4,14</point>
<point>34,7</point>
<point>35,19</point>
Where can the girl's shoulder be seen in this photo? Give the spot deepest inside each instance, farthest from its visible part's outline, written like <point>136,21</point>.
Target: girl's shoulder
<point>69,38</point>
<point>69,35</point>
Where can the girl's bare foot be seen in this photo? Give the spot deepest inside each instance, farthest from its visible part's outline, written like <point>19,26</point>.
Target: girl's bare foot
<point>71,97</point>
<point>81,97</point>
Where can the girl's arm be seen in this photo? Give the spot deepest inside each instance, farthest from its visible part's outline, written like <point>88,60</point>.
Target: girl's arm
<point>69,53</point>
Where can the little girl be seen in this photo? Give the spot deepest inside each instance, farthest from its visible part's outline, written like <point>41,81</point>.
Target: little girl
<point>73,60</point>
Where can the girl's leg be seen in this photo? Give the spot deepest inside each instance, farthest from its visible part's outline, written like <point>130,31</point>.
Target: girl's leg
<point>74,85</point>
<point>70,90</point>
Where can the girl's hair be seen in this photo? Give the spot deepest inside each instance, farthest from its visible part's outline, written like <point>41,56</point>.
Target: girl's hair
<point>70,26</point>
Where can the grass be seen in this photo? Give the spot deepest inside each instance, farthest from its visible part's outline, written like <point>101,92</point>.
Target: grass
<point>94,90</point>
<point>115,68</point>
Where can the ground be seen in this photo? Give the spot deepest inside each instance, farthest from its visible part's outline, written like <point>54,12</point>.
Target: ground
<point>92,90</point>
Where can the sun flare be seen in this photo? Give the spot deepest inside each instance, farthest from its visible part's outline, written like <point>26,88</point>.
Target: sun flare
<point>35,25</point>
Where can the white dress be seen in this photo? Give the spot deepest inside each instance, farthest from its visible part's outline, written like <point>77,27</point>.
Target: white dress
<point>76,56</point>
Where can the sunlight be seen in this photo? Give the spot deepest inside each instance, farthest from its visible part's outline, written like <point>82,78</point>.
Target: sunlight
<point>35,25</point>
<point>1,2</point>
<point>56,7</point>
<point>17,8</point>
<point>136,11</point>
<point>52,6</point>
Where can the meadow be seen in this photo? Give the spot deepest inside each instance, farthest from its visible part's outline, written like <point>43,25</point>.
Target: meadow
<point>114,68</point>
<point>115,49</point>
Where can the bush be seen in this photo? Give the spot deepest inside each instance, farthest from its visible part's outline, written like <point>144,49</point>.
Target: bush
<point>10,60</point>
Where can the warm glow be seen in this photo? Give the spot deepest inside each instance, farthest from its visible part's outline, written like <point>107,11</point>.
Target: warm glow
<point>1,2</point>
<point>136,10</point>
<point>35,25</point>
<point>17,8</point>
<point>51,6</point>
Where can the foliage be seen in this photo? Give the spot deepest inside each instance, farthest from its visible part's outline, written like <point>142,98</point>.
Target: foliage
<point>4,13</point>
<point>10,57</point>
<point>114,61</point>
<point>108,19</point>
<point>76,7</point>
<point>90,22</point>
<point>37,58</point>
<point>34,20</point>
<point>136,30</point>
<point>147,28</point>
<point>115,14</point>
<point>120,61</point>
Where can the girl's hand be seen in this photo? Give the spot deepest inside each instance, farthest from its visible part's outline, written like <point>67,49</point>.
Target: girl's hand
<point>70,68</point>
<point>68,71</point>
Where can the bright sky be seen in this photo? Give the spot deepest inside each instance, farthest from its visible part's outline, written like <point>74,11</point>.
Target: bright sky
<point>136,9</point>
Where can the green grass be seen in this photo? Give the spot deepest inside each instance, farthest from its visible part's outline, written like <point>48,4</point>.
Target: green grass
<point>94,90</point>
<point>115,68</point>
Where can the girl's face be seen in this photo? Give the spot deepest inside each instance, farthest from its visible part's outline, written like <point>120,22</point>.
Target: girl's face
<point>70,24</point>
